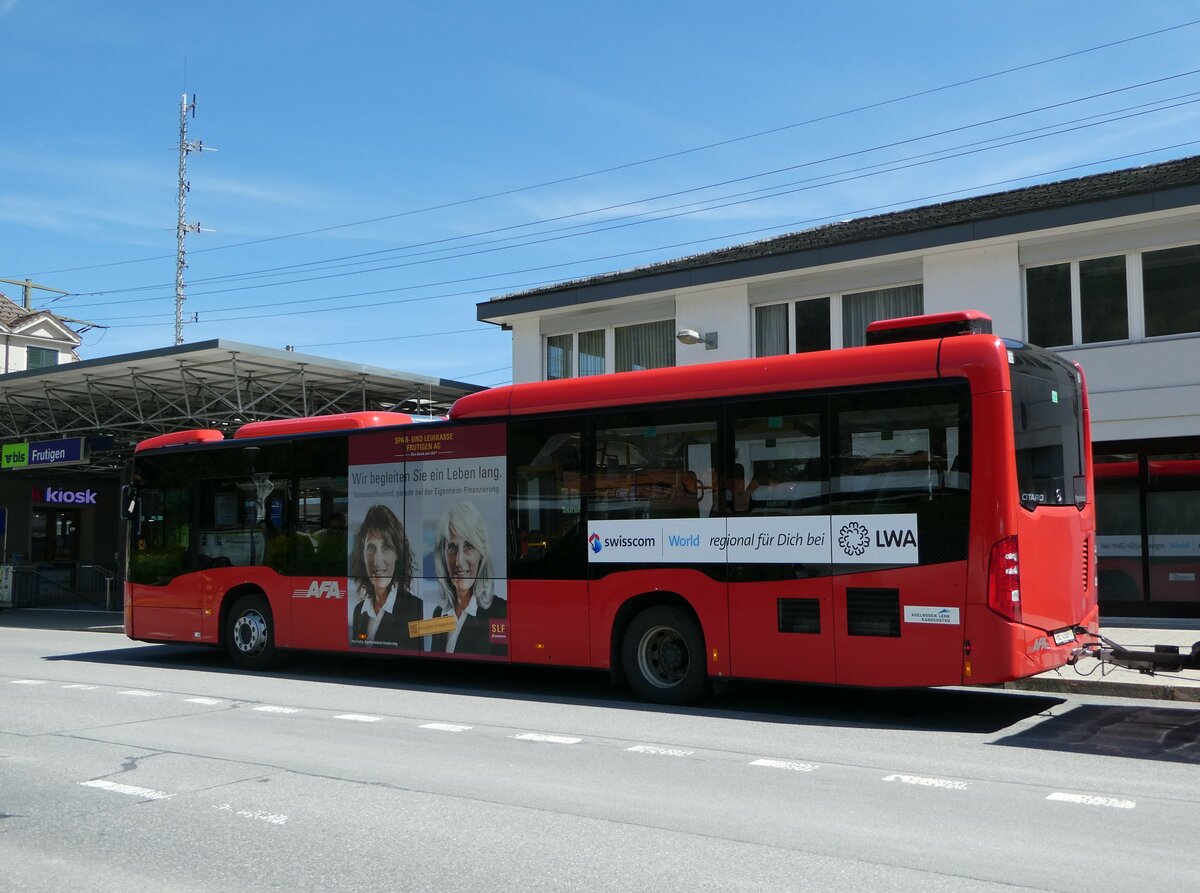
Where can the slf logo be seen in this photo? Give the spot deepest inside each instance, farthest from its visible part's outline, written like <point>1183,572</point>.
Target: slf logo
<point>594,542</point>
<point>854,538</point>
<point>320,589</point>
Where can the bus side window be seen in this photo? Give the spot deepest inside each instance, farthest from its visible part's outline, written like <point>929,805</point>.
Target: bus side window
<point>654,465</point>
<point>546,538</point>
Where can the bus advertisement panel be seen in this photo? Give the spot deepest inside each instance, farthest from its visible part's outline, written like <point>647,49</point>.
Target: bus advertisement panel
<point>427,566</point>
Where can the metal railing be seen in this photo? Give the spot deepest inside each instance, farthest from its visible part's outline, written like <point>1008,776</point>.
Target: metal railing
<point>79,586</point>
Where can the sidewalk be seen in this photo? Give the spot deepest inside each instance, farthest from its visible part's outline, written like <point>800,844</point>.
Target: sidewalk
<point>1117,682</point>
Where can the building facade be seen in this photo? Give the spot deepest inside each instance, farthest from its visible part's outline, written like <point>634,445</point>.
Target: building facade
<point>1104,269</point>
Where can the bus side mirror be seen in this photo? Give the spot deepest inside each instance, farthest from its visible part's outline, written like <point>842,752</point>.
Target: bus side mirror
<point>129,502</point>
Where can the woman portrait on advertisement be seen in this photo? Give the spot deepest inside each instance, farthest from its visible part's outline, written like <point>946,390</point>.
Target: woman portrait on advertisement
<point>466,587</point>
<point>381,578</point>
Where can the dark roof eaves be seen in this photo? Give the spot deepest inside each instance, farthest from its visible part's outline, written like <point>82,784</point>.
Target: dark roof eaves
<point>1001,223</point>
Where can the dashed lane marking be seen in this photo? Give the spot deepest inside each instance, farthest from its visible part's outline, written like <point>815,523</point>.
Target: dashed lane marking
<point>1092,800</point>
<point>926,782</point>
<point>785,764</point>
<point>548,739</point>
<point>208,701</point>
<point>358,717</point>
<point>275,818</point>
<point>271,708</point>
<point>26,681</point>
<point>78,686</point>
<point>445,727</point>
<point>127,789</point>
<point>659,751</point>
<point>139,693</point>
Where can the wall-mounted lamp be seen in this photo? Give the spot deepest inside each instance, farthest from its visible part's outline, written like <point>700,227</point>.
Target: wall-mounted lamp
<point>691,336</point>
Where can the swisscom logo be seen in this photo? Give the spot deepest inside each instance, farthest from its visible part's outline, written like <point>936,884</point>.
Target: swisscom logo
<point>595,543</point>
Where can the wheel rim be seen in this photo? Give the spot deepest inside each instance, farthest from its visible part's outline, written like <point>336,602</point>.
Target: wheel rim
<point>250,632</point>
<point>663,657</point>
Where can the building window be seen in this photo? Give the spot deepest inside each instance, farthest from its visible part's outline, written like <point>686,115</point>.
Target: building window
<point>591,352</point>
<point>559,359</point>
<point>1048,304</point>
<point>770,330</point>
<point>1103,303</point>
<point>1171,285</point>
<point>40,357</point>
<point>648,345</point>
<point>863,308</point>
<point>812,325</point>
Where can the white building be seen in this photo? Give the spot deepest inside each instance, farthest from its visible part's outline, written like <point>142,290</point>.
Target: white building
<point>1104,268</point>
<point>34,339</point>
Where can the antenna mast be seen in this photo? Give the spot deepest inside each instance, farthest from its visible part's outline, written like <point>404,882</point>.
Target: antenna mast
<point>184,227</point>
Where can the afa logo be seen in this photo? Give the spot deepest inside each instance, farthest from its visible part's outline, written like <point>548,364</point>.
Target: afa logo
<point>854,538</point>
<point>595,543</point>
<point>320,589</point>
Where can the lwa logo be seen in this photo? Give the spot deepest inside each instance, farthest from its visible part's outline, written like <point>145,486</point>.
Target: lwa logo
<point>871,538</point>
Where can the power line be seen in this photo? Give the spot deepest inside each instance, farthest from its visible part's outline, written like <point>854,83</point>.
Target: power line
<point>667,156</point>
<point>735,199</point>
<point>332,263</point>
<point>678,245</point>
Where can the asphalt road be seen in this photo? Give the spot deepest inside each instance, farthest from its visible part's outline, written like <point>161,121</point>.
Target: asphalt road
<point>128,766</point>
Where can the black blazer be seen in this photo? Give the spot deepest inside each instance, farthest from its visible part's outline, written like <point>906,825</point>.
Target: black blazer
<point>393,628</point>
<point>475,637</point>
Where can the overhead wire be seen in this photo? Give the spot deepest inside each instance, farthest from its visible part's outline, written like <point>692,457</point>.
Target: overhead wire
<point>332,263</point>
<point>661,157</point>
<point>658,216</point>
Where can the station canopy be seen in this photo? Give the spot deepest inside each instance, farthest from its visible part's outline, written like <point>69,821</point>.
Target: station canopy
<point>211,384</point>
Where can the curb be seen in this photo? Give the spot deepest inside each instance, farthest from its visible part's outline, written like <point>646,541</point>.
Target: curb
<point>1146,690</point>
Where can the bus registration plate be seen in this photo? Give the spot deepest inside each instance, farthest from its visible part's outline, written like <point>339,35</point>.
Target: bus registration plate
<point>1064,636</point>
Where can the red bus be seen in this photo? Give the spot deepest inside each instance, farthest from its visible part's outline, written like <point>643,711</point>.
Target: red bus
<point>914,512</point>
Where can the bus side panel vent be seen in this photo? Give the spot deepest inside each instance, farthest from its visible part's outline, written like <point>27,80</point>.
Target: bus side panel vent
<point>873,612</point>
<point>799,615</point>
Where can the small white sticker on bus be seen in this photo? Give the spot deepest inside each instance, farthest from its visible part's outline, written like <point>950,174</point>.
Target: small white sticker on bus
<point>935,615</point>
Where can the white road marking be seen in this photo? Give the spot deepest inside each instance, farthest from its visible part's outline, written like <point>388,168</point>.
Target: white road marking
<point>209,701</point>
<point>271,708</point>
<point>138,693</point>
<point>26,681</point>
<point>1093,800</point>
<point>80,687</point>
<point>927,782</point>
<point>549,739</point>
<point>445,727</point>
<point>358,717</point>
<point>660,751</point>
<point>785,764</point>
<point>274,818</point>
<point>127,789</point>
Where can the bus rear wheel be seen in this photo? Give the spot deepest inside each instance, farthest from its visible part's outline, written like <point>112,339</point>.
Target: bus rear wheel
<point>662,653</point>
<point>250,633</point>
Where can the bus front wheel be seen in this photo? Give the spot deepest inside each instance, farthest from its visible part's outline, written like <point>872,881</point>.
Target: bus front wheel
<point>250,633</point>
<point>662,654</point>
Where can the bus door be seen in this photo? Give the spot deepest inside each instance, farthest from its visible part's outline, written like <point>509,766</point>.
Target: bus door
<point>781,621</point>
<point>900,507</point>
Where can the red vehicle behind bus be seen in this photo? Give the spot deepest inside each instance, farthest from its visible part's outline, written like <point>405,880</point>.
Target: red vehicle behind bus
<point>915,512</point>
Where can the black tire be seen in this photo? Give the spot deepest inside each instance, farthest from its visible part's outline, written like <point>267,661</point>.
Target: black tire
<point>250,633</point>
<point>663,656</point>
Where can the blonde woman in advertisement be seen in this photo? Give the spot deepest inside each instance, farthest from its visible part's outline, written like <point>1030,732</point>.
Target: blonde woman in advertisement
<point>466,586</point>
<point>381,570</point>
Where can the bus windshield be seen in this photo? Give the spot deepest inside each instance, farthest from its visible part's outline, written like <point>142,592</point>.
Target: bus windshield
<point>1047,408</point>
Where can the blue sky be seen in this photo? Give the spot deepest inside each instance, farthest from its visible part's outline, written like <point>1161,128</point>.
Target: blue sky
<point>379,129</point>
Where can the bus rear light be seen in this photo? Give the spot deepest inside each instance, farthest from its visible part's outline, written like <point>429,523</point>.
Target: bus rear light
<point>1004,580</point>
